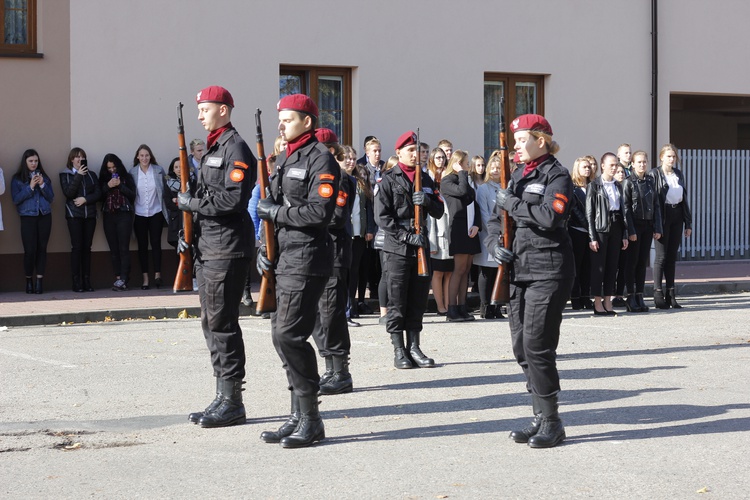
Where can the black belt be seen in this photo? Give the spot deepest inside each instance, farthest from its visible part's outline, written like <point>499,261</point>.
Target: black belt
<point>615,216</point>
<point>673,205</point>
<point>405,223</point>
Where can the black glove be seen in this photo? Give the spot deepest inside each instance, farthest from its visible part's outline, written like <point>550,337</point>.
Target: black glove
<point>183,201</point>
<point>420,198</point>
<point>503,256</point>
<point>502,197</point>
<point>414,239</point>
<point>267,209</point>
<point>262,263</point>
<point>182,245</point>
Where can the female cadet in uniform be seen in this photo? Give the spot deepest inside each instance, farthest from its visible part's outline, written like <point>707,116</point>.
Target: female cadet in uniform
<point>301,205</point>
<point>644,223</point>
<point>394,214</point>
<point>537,199</point>
<point>670,184</point>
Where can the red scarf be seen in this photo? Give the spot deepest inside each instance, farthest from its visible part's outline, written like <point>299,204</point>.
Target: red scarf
<point>532,164</point>
<point>214,135</point>
<point>298,142</point>
<point>409,171</point>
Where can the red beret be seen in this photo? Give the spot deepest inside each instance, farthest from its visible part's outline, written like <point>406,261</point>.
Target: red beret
<point>214,93</point>
<point>298,102</point>
<point>406,139</point>
<point>537,123</point>
<point>326,135</point>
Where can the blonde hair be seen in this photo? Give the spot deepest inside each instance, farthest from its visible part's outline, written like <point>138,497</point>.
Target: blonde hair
<point>458,156</point>
<point>594,165</point>
<point>640,152</point>
<point>372,142</point>
<point>392,161</point>
<point>552,146</point>
<point>669,147</point>
<point>575,173</point>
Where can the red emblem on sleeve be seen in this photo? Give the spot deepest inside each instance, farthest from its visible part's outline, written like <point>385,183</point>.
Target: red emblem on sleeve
<point>240,164</point>
<point>561,197</point>
<point>237,175</point>
<point>325,190</point>
<point>341,198</point>
<point>558,206</point>
<point>327,177</point>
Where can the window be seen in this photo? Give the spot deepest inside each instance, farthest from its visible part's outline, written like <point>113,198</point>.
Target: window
<point>330,88</point>
<point>523,94</point>
<point>18,31</point>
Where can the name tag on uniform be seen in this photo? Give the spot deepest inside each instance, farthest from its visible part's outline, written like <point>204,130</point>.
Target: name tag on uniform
<point>427,190</point>
<point>535,188</point>
<point>296,173</point>
<point>214,161</point>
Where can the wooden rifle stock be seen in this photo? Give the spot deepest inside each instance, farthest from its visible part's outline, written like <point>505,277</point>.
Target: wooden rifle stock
<point>501,288</point>
<point>267,300</point>
<point>183,281</point>
<point>422,268</point>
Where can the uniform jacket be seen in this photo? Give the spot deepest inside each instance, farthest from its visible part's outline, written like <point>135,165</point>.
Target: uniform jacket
<point>221,225</point>
<point>158,173</point>
<point>394,209</point>
<point>539,206</point>
<point>126,187</point>
<point>32,202</point>
<point>597,209</point>
<point>341,222</point>
<point>662,187</point>
<point>486,194</point>
<point>305,184</point>
<point>75,185</point>
<point>641,202</point>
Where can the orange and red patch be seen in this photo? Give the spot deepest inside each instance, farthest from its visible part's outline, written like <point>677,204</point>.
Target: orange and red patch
<point>237,175</point>
<point>325,190</point>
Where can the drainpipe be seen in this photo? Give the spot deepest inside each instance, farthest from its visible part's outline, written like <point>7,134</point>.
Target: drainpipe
<point>654,82</point>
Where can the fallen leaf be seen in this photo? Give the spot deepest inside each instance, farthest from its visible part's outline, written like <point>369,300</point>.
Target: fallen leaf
<point>182,314</point>
<point>73,446</point>
<point>703,490</point>
<point>152,317</point>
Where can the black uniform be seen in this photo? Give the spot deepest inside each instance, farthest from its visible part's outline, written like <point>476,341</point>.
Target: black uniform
<point>542,275</point>
<point>394,214</point>
<point>224,245</point>
<point>305,185</point>
<point>331,332</point>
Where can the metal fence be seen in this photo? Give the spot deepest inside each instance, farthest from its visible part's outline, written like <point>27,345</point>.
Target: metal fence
<point>718,184</point>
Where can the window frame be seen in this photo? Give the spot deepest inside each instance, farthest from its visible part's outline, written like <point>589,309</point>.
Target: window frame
<point>309,80</point>
<point>509,81</point>
<point>21,50</point>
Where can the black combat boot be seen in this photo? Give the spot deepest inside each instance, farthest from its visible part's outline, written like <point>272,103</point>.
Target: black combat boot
<point>631,304</point>
<point>453,314</point>
<point>523,435</point>
<point>230,411</point>
<point>575,303</point>
<point>671,299</point>
<point>310,428</point>
<point>287,427</point>
<point>341,381</point>
<point>400,359</point>
<point>490,312</point>
<point>641,302</point>
<point>659,301</point>
<point>29,285</point>
<point>39,289</point>
<point>415,353</point>
<point>551,432</point>
<point>194,417</point>
<point>587,303</point>
<point>463,311</point>
<point>329,371</point>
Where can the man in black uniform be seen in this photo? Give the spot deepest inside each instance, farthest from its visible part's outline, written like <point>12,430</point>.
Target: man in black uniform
<point>331,331</point>
<point>394,214</point>
<point>301,204</point>
<point>224,242</point>
<point>542,269</point>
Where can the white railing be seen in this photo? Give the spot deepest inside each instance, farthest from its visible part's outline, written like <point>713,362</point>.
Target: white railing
<point>718,184</point>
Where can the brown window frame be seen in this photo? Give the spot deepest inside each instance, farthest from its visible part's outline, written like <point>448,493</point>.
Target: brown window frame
<point>20,50</point>
<point>309,76</point>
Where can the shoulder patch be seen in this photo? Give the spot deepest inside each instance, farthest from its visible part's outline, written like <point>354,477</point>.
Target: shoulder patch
<point>325,190</point>
<point>562,197</point>
<point>558,206</point>
<point>327,177</point>
<point>241,165</point>
<point>341,198</point>
<point>237,175</point>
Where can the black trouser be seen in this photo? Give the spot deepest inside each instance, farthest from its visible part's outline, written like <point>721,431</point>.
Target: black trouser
<point>117,227</point>
<point>604,262</point>
<point>638,255</point>
<point>486,283</point>
<point>149,228</point>
<point>359,265</point>
<point>668,245</point>
<point>535,313</point>
<point>220,286</point>
<point>81,236</point>
<point>35,231</point>
<point>407,294</point>
<point>331,331</point>
<point>582,256</point>
<point>383,283</point>
<point>374,271</point>
<point>297,298</point>
<point>622,274</point>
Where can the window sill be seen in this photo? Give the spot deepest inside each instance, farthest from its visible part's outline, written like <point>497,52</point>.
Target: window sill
<point>22,55</point>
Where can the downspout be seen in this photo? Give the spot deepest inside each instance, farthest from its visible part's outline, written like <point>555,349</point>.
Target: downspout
<point>654,83</point>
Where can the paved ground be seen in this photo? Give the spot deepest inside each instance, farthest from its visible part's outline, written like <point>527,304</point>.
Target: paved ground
<point>655,405</point>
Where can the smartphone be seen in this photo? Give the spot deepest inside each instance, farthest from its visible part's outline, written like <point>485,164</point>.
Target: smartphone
<point>84,163</point>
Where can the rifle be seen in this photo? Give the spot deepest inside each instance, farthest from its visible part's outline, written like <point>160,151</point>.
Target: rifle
<point>183,281</point>
<point>422,268</point>
<point>267,299</point>
<point>501,288</point>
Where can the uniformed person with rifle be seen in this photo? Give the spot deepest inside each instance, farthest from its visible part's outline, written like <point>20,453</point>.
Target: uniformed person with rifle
<point>223,244</point>
<point>542,269</point>
<point>301,204</point>
<point>408,288</point>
